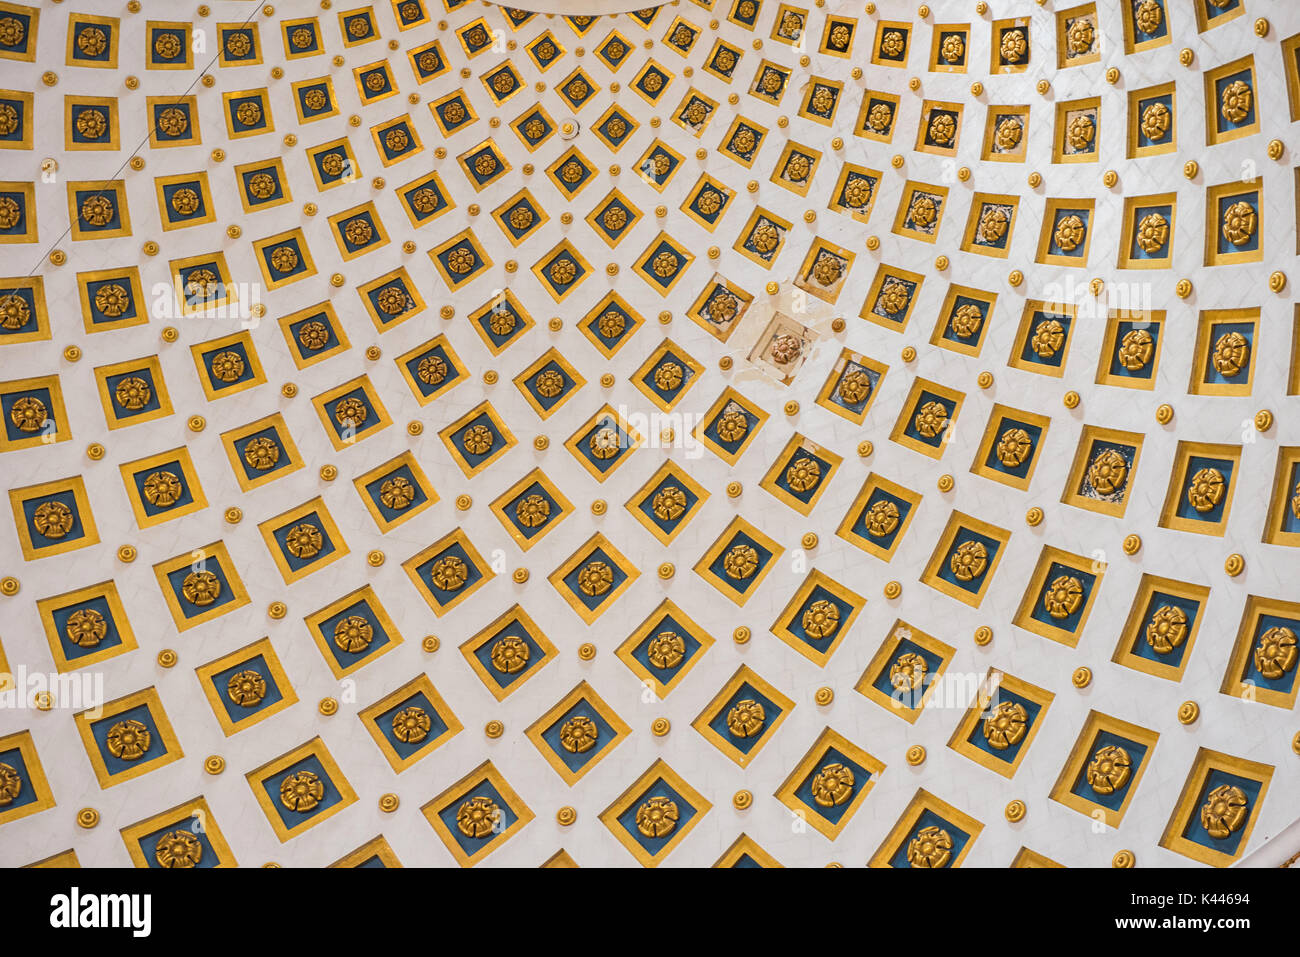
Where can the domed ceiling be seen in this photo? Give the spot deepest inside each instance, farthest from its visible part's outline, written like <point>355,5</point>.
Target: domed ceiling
<point>730,432</point>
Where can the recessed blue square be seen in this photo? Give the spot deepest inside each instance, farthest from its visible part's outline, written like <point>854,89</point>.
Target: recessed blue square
<point>553,511</point>
<point>82,616</point>
<point>74,531</point>
<point>428,61</point>
<point>1045,351</point>
<point>176,581</point>
<point>11,297</point>
<point>359,609</point>
<point>236,711</point>
<point>312,765</point>
<point>26,793</point>
<point>10,399</point>
<point>406,749</point>
<point>99,731</point>
<point>576,760</point>
<point>925,398</point>
<point>122,411</point>
<point>282,536</point>
<point>602,465</point>
<point>271,434</point>
<point>1196,832</point>
<point>475,459</point>
<point>746,692</point>
<point>505,819</point>
<point>178,124</point>
<point>958,837</point>
<point>653,83</point>
<point>663,790</point>
<point>1160,29</point>
<point>742,585</point>
<point>94,42</point>
<point>18,41</point>
<point>964,535</point>
<point>309,94</point>
<point>248,113</point>
<point>573,580</point>
<point>1021,471</point>
<point>513,630</point>
<point>667,625</point>
<point>375,489</point>
<point>238,44</point>
<point>879,495</point>
<point>907,696</point>
<point>1070,622</point>
<point>425,572</point>
<point>1137,753</point>
<point>434,362</point>
<point>804,792</point>
<point>1251,242</point>
<point>115,199</point>
<point>1003,696</point>
<point>1186,510</point>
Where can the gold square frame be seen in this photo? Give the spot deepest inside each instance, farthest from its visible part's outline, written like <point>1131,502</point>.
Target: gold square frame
<point>46,607</point>
<point>994,680</point>
<point>787,792</point>
<point>944,546</point>
<point>1137,621</point>
<point>266,650</point>
<point>369,717</point>
<point>817,579</point>
<point>652,775</point>
<point>744,675</point>
<point>270,526</point>
<point>73,484</point>
<point>665,609</point>
<point>922,802</point>
<point>313,748</point>
<point>1206,762</point>
<point>899,632</point>
<point>197,556</point>
<point>107,711</point>
<point>461,790</point>
<point>1036,590</point>
<point>1081,754</point>
<point>187,816</point>
<point>581,692</point>
<point>738,526</point>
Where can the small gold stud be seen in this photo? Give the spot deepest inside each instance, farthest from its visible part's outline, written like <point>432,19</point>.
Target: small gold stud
<point>9,585</point>
<point>809,540</point>
<point>916,755</point>
<point>741,635</point>
<point>1132,544</point>
<point>1015,811</point>
<point>87,818</point>
<point>1234,565</point>
<point>586,651</point>
<point>1188,712</point>
<point>167,658</point>
<point>667,570</point>
<point>214,764</point>
<point>1165,414</point>
<point>1263,420</point>
<point>565,816</point>
<point>893,589</point>
<point>945,483</point>
<point>329,473</point>
<point>1034,517</point>
<point>375,558</point>
<point>599,507</point>
<point>1082,677</point>
<point>463,502</point>
<point>494,729</point>
<point>430,643</point>
<point>824,696</point>
<point>983,635</point>
<point>126,554</point>
<point>734,489</point>
<point>328,706</point>
<point>660,727</point>
<point>1123,860</point>
<point>865,448</point>
<point>1071,399</point>
<point>741,800</point>
<point>277,610</point>
<point>389,803</point>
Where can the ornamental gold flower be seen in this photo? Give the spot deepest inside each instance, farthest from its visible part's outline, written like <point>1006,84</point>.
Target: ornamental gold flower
<point>880,116</point>
<point>1148,15</point>
<point>533,511</point>
<point>563,271</point>
<point>354,634</point>
<point>923,211</point>
<point>316,99</point>
<point>666,265</point>
<point>92,124</point>
<point>803,475</point>
<point>1108,471</point>
<point>53,519</point>
<point>1153,232</point>
<point>510,655</point>
<point>740,562</point>
<point>227,366</point>
<point>411,725</point>
<point>966,320</point>
<point>301,791</point>
<point>969,561</point>
<point>732,426</point>
<point>477,439</point>
<point>284,259</point>
<point>249,113</point>
<point>1080,132</point>
<point>162,488</point>
<point>1048,337</point>
<point>1014,45</point>
<point>894,297</point>
<point>485,164</point>
<point>92,41</point>
<point>832,785</point>
<point>765,237</point>
<point>1156,120</point>
<point>605,443</point>
<point>931,419</point>
<point>98,210</point>
<point>1224,811</point>
<point>854,386</point>
<point>657,817</point>
<point>201,588</point>
<point>1109,769</point>
<point>666,650</point>
<point>1167,629</point>
<point>827,269</point>
<point>1205,491</point>
<point>246,688</point>
<point>943,128</point>
<point>595,578</point>
<point>881,518</point>
<point>953,48</point>
<point>1135,349</point>
<point>358,231</point>
<point>993,224</point>
<point>668,376</point>
<point>502,322</point>
<point>11,213</point>
<point>86,628</point>
<point>14,312</point>
<point>1231,354</point>
<point>908,671</point>
<point>579,734</point>
<point>797,168</point>
<point>396,493</point>
<point>1235,103</point>
<point>1063,597</point>
<point>746,718</point>
<point>1014,446</point>
<point>549,383</point>
<point>1275,654</point>
<point>12,32</point>
<point>28,414</point>
<point>857,192</point>
<point>133,393</point>
<point>930,847</point>
<point>722,307</point>
<point>1069,233</point>
<point>112,300</point>
<point>351,412</point>
<point>1009,133</point>
<point>892,43</point>
<point>304,540</point>
<point>1239,222</point>
<point>612,324</point>
<point>449,573</point>
<point>821,619</point>
<point>178,849</point>
<point>261,453</point>
<point>669,503</point>
<point>128,740</point>
<point>1006,725</point>
<point>238,45</point>
<point>822,99</point>
<point>839,37</point>
<point>614,218</point>
<point>1080,36</point>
